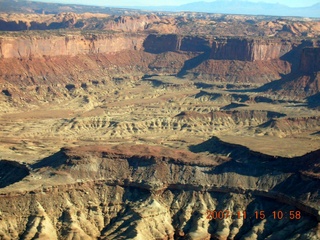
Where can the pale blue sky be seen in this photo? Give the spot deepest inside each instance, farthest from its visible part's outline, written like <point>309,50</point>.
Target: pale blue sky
<point>290,3</point>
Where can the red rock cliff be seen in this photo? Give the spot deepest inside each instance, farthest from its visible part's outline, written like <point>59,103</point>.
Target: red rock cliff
<point>248,50</point>
<point>73,44</point>
<point>220,49</point>
<point>67,45</point>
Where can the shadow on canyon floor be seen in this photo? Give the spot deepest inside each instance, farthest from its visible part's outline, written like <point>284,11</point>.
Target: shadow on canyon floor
<point>54,161</point>
<point>11,172</point>
<point>247,162</point>
<point>314,101</point>
<point>193,63</point>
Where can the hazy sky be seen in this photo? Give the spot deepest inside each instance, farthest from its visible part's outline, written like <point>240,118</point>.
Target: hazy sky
<point>290,3</point>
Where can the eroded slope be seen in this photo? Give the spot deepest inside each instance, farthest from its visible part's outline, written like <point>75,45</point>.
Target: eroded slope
<point>119,192</point>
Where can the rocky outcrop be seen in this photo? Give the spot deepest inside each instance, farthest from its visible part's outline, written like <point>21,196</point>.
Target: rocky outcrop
<point>96,210</point>
<point>137,191</point>
<point>304,78</point>
<point>120,54</point>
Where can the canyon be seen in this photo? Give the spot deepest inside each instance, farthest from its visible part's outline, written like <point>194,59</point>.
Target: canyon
<point>145,125</point>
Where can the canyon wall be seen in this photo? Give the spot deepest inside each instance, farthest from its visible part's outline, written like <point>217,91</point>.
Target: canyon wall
<point>310,60</point>
<point>132,54</point>
<point>304,80</point>
<point>72,44</point>
<point>67,45</point>
<point>220,48</point>
<point>162,43</point>
<point>249,49</point>
<point>172,42</point>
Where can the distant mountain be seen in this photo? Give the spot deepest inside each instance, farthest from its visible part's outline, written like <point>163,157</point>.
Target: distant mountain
<point>242,7</point>
<point>26,6</point>
<point>219,6</point>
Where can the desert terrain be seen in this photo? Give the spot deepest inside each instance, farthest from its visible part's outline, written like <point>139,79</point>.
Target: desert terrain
<point>140,125</point>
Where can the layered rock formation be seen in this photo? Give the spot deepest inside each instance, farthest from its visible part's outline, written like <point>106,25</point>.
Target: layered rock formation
<point>305,80</point>
<point>67,45</point>
<point>149,192</point>
<point>221,48</point>
<point>71,44</point>
<point>210,58</point>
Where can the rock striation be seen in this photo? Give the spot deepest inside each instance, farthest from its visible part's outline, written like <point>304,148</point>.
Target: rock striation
<point>304,81</point>
<point>137,191</point>
<point>220,48</point>
<point>66,45</point>
<point>72,44</point>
